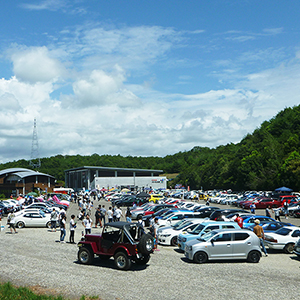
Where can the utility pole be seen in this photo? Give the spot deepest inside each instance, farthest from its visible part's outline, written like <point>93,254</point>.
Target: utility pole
<point>35,161</point>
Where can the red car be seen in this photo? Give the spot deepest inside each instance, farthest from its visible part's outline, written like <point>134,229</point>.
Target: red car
<point>264,203</point>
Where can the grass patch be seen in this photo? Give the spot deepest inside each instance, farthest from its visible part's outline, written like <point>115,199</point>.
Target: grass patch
<point>10,292</point>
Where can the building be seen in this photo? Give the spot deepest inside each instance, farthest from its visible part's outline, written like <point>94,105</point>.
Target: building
<point>88,178</point>
<point>22,181</point>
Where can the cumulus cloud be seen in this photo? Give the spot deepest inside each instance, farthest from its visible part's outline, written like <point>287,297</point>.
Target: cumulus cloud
<point>36,65</point>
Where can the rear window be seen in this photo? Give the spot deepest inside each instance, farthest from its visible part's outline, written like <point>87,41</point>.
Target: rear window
<point>283,231</point>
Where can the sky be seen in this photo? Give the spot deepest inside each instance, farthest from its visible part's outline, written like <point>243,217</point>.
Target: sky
<point>142,78</point>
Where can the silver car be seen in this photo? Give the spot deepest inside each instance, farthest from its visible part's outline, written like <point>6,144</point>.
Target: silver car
<point>224,244</point>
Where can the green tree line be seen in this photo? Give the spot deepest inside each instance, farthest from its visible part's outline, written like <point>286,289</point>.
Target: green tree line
<point>266,159</point>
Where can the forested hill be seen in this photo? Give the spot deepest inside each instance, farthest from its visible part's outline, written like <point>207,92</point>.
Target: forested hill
<point>266,159</point>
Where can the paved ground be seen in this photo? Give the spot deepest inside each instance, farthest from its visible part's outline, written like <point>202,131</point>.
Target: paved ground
<point>34,257</point>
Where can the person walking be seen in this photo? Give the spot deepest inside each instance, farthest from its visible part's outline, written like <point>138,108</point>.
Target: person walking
<point>268,211</point>
<point>118,213</point>
<point>72,229</point>
<point>239,220</point>
<point>110,215</point>
<point>97,217</point>
<point>53,219</point>
<point>102,215</point>
<point>63,228</point>
<point>252,208</point>
<point>11,221</point>
<point>155,231</point>
<point>277,213</point>
<point>258,230</point>
<point>87,224</point>
<point>286,209</point>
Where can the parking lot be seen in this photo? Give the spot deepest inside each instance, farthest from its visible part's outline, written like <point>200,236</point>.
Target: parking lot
<point>34,257</point>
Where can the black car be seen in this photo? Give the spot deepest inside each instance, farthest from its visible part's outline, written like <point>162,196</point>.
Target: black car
<point>206,211</point>
<point>218,214</point>
<point>296,213</point>
<point>6,209</point>
<point>147,218</point>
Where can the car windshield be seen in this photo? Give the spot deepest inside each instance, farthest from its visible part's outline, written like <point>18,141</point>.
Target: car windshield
<point>198,229</point>
<point>184,225</point>
<point>283,231</point>
<point>167,216</point>
<point>179,224</point>
<point>207,236</point>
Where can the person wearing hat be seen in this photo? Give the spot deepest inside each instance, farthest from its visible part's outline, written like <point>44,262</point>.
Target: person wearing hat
<point>258,230</point>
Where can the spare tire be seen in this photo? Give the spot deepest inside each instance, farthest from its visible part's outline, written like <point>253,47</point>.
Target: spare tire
<point>146,244</point>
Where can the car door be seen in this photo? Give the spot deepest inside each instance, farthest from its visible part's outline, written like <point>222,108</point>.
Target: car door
<point>37,220</point>
<point>220,246</point>
<point>241,244</point>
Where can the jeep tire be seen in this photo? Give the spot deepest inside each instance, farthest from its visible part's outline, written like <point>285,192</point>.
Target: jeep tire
<point>85,256</point>
<point>146,244</point>
<point>122,261</point>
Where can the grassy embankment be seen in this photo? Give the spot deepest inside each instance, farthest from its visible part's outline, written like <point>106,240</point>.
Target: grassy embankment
<point>9,292</point>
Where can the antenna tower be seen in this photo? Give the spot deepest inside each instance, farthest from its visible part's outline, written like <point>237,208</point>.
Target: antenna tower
<point>35,161</point>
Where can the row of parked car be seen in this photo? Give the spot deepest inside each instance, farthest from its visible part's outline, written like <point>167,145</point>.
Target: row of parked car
<point>206,232</point>
<point>37,214</point>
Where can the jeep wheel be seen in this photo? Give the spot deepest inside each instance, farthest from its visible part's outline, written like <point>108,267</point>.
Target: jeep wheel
<point>146,244</point>
<point>122,262</point>
<point>85,256</point>
<point>143,260</point>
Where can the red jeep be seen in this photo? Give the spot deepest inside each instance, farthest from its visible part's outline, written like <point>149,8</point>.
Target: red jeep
<point>126,242</point>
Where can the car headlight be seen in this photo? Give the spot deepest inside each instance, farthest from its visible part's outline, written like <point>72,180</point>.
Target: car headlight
<point>184,240</point>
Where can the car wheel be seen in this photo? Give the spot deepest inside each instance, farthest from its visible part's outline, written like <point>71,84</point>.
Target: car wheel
<point>174,241</point>
<point>85,256</point>
<point>200,257</point>
<point>289,248</point>
<point>20,224</point>
<point>48,225</point>
<point>146,244</point>
<point>143,260</point>
<point>254,257</point>
<point>122,262</point>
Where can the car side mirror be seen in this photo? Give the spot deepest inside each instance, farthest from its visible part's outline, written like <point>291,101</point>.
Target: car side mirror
<point>212,241</point>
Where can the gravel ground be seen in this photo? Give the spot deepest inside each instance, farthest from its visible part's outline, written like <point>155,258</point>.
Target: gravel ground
<point>34,257</point>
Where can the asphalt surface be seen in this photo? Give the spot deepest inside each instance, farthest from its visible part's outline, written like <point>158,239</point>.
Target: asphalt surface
<point>35,258</point>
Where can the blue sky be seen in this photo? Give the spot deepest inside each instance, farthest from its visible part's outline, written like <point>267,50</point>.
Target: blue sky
<point>143,77</point>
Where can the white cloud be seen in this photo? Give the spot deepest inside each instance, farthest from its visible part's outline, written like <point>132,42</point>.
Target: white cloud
<point>36,65</point>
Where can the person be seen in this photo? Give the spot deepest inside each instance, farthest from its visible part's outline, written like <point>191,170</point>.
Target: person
<point>72,229</point>
<point>110,214</point>
<point>277,214</point>
<point>128,212</point>
<point>84,206</point>
<point>239,220</point>
<point>11,221</point>
<point>258,230</point>
<point>134,205</point>
<point>207,202</point>
<point>62,213</point>
<point>97,217</point>
<point>155,231</point>
<point>102,215</point>
<point>140,221</point>
<point>118,214</point>
<point>63,228</point>
<point>87,224</point>
<point>53,219</point>
<point>128,217</point>
<point>268,211</point>
<point>286,209</point>
<point>252,208</point>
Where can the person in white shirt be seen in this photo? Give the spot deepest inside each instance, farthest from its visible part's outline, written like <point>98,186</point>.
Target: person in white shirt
<point>87,224</point>
<point>72,229</point>
<point>118,213</point>
<point>110,214</point>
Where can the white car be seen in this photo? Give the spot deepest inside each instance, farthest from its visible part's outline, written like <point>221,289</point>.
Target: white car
<point>169,235</point>
<point>32,219</point>
<point>284,238</point>
<point>174,217</point>
<point>40,205</point>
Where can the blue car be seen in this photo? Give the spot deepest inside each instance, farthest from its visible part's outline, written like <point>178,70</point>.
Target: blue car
<point>249,220</point>
<point>271,226</point>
